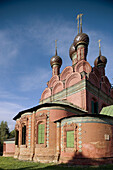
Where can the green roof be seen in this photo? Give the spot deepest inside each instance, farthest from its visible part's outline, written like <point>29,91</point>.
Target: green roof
<point>108,110</point>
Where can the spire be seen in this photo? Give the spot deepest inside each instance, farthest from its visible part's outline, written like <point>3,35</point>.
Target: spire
<point>99,48</point>
<point>56,47</point>
<point>78,16</point>
<point>81,23</point>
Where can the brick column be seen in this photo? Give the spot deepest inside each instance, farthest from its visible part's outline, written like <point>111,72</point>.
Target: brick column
<point>58,144</point>
<point>33,136</point>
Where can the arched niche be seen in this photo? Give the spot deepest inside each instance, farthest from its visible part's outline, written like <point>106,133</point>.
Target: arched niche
<point>82,66</point>
<point>46,93</point>
<point>58,87</point>
<point>53,80</point>
<point>73,79</point>
<point>94,79</point>
<point>66,72</point>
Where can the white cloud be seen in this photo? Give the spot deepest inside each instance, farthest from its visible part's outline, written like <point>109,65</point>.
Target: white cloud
<point>34,80</point>
<point>5,95</point>
<point>8,49</point>
<point>8,111</point>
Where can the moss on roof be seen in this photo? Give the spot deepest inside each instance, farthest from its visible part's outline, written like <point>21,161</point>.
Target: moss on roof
<point>108,110</point>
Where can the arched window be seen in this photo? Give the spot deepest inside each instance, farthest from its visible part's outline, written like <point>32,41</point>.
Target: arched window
<point>16,137</point>
<point>41,133</point>
<point>94,106</point>
<point>24,135</point>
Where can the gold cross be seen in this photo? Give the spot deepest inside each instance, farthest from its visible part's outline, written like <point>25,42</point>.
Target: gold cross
<point>78,16</point>
<point>81,18</point>
<point>99,42</point>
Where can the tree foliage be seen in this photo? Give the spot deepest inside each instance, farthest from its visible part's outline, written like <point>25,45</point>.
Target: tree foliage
<point>4,131</point>
<point>5,134</point>
<point>12,134</point>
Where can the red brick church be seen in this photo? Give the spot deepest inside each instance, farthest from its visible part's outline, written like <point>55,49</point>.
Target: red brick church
<point>67,126</point>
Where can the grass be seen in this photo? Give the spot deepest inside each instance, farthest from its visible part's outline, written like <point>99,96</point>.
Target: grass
<point>11,163</point>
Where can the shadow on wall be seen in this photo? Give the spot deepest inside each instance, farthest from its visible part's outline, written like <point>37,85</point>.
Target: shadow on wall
<point>80,159</point>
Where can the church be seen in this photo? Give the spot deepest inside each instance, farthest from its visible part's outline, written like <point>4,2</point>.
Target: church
<point>73,122</point>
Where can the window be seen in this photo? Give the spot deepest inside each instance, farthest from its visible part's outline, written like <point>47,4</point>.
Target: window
<point>94,106</point>
<point>16,137</point>
<point>24,135</point>
<point>41,133</point>
<point>70,139</point>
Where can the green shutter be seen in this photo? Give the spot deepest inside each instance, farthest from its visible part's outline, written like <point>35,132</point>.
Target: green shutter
<point>41,130</point>
<point>70,139</point>
<point>92,106</point>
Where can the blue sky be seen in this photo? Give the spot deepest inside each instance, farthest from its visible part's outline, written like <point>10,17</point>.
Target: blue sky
<point>28,29</point>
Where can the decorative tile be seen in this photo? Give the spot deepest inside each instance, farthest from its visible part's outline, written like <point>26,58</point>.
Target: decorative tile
<point>80,142</point>
<point>79,129</point>
<point>80,146</point>
<point>80,150</point>
<point>79,124</point>
<point>80,133</point>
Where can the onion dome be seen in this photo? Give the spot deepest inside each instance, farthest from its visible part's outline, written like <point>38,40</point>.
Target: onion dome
<point>81,38</point>
<point>56,60</point>
<point>71,50</point>
<point>100,60</point>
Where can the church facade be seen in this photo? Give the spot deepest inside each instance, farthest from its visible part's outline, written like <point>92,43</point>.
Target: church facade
<point>67,126</point>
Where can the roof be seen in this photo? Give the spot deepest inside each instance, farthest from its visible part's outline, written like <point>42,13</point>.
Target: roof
<point>108,111</point>
<point>55,103</point>
<point>11,139</point>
